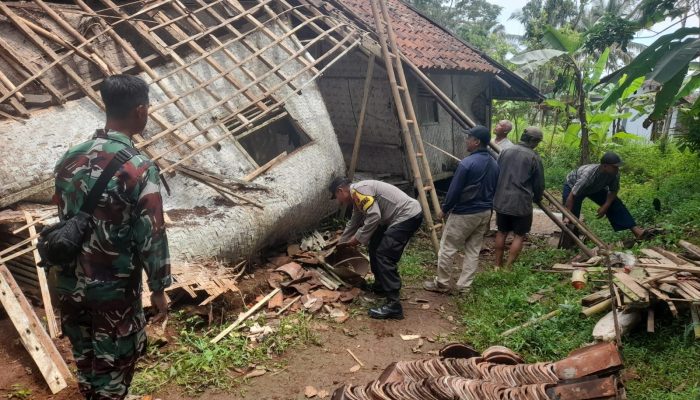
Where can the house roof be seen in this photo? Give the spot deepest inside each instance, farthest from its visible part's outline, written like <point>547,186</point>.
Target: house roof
<point>431,46</point>
<point>425,43</point>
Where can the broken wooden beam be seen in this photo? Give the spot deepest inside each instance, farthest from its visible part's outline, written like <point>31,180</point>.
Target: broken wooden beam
<point>32,335</point>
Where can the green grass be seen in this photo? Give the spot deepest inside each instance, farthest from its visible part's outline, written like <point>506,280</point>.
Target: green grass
<point>194,364</point>
<point>665,362</point>
<point>415,265</point>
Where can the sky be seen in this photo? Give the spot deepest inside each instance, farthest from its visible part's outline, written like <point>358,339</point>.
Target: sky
<point>514,27</point>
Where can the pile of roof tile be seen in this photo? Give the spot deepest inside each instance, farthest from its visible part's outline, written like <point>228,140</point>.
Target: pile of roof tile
<point>317,276</point>
<point>497,374</point>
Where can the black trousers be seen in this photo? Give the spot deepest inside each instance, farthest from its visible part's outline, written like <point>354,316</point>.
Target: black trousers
<point>385,250</point>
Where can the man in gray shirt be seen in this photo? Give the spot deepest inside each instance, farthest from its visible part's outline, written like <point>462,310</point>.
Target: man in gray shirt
<point>600,183</point>
<point>520,182</point>
<point>501,131</point>
<point>384,218</point>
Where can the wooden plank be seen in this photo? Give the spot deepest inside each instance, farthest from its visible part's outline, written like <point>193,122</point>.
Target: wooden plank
<point>691,248</point>
<point>671,256</point>
<point>650,320</point>
<point>54,331</point>
<point>695,316</point>
<point>674,267</point>
<point>631,284</point>
<point>32,335</point>
<point>259,171</point>
<point>596,297</point>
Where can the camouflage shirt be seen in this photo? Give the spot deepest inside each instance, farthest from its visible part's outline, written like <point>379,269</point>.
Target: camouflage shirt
<point>129,231</point>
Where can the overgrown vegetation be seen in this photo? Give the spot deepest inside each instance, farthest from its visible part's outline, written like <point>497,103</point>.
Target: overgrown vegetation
<point>195,364</point>
<point>657,365</point>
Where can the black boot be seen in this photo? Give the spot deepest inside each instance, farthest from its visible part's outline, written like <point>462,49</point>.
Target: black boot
<point>390,310</point>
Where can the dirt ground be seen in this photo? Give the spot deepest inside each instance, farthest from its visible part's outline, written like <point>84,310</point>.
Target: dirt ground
<point>375,343</point>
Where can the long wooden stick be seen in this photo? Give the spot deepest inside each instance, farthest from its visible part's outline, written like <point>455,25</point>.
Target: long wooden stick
<point>283,309</point>
<point>532,322</point>
<point>363,111</point>
<point>43,282</point>
<point>42,350</point>
<point>355,357</point>
<point>245,316</point>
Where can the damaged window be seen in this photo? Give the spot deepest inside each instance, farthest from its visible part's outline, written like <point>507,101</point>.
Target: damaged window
<point>267,143</point>
<point>426,107</point>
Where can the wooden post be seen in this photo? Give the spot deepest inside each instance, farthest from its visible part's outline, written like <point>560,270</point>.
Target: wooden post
<point>33,336</point>
<point>43,283</point>
<point>361,120</point>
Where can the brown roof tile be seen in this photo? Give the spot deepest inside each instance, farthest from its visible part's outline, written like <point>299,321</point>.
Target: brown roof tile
<point>423,42</point>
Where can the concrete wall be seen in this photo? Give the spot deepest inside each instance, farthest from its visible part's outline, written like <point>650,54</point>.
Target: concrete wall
<point>297,198</point>
<point>381,151</point>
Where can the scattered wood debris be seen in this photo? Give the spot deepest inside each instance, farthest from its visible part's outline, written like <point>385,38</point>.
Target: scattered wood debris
<point>655,276</point>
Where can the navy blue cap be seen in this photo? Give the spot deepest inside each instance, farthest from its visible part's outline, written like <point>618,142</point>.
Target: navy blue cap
<point>480,132</point>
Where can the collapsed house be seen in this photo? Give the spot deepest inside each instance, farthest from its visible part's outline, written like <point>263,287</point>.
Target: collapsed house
<point>237,89</point>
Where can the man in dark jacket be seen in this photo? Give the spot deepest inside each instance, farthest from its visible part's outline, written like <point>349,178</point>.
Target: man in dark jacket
<point>468,208</point>
<point>520,182</point>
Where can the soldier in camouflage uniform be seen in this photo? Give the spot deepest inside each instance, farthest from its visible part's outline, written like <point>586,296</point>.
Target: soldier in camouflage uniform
<point>100,294</point>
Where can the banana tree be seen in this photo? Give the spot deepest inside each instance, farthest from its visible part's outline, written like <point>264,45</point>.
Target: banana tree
<point>569,48</point>
<point>668,62</point>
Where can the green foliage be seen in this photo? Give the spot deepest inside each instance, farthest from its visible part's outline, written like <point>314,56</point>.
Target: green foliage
<point>414,266</point>
<point>19,392</point>
<point>666,62</point>
<point>688,134</point>
<point>649,172</point>
<point>195,364</point>
<point>610,29</point>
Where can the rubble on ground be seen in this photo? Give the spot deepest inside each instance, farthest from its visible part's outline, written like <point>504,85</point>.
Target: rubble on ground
<point>655,276</point>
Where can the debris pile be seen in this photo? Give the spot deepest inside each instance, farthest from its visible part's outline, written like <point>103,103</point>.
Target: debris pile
<point>656,276</point>
<point>498,374</point>
<point>317,276</point>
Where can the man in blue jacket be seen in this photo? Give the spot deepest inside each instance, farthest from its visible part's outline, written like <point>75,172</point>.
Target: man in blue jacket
<point>468,209</point>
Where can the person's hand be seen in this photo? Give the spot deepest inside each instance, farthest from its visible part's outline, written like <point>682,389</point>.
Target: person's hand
<point>440,215</point>
<point>601,212</point>
<point>160,302</point>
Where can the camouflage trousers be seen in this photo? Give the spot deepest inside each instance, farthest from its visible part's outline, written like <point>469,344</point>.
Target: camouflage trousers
<point>106,345</point>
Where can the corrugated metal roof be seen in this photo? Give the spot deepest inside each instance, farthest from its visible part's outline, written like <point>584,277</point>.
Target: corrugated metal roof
<point>426,44</point>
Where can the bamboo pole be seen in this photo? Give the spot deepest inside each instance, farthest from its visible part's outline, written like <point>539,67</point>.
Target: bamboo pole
<point>363,112</point>
<point>408,141</point>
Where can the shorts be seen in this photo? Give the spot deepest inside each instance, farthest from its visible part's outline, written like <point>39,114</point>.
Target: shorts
<point>520,225</point>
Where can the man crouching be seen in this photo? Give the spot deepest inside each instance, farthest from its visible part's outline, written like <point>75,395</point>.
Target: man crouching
<point>384,218</point>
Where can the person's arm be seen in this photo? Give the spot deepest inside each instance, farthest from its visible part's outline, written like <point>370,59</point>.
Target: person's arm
<point>372,218</point>
<point>608,202</point>
<point>538,181</point>
<point>351,227</point>
<point>151,240</point>
<point>455,191</point>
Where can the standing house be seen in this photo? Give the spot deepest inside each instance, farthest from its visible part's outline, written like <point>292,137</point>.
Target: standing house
<point>470,78</point>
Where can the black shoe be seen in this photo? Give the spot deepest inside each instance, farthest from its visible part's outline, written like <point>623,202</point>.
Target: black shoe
<point>390,310</point>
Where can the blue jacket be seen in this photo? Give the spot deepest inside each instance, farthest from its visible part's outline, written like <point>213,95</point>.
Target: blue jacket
<point>469,172</point>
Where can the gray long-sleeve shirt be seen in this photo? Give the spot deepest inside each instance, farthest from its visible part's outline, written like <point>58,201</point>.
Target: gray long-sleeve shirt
<point>520,182</point>
<point>588,179</point>
<point>377,203</point>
